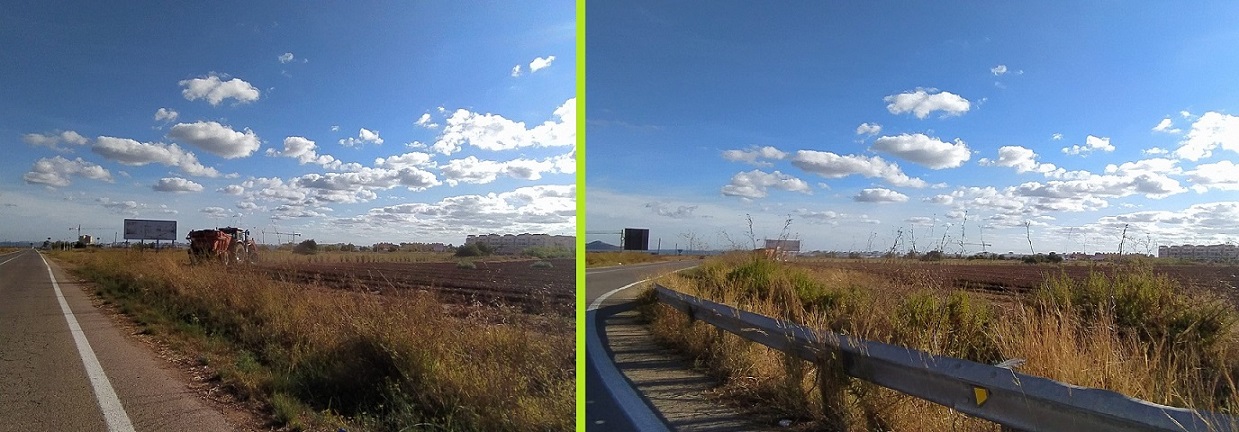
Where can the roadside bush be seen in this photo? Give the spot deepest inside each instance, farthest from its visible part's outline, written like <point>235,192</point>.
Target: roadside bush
<point>469,250</point>
<point>466,265</point>
<point>308,247</point>
<point>754,278</point>
<point>1144,305</point>
<point>956,326</point>
<point>541,264</point>
<point>547,252</point>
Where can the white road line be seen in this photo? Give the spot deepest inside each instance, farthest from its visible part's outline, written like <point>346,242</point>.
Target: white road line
<point>7,260</point>
<point>598,301</point>
<point>635,408</point>
<point>113,413</point>
<point>631,404</point>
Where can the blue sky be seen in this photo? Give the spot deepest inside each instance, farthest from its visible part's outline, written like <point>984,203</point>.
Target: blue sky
<point>866,123</point>
<point>354,122</point>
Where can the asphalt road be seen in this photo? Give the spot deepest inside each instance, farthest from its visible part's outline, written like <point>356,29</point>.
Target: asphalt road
<point>64,366</point>
<point>611,404</point>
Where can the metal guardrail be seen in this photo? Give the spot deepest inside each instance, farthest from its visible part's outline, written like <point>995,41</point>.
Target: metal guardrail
<point>1009,398</point>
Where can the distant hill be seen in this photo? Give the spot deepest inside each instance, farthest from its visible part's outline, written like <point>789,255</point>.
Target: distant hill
<point>600,246</point>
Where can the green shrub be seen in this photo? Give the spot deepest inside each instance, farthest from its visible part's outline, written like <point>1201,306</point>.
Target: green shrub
<point>466,265</point>
<point>474,249</point>
<point>755,278</point>
<point>548,252</point>
<point>955,326</point>
<point>308,247</point>
<point>1147,305</point>
<point>542,264</point>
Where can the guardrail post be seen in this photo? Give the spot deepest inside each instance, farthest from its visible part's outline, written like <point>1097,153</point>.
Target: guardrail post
<point>832,381</point>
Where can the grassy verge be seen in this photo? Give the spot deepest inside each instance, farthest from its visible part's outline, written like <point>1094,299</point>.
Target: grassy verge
<point>1136,332</point>
<point>602,259</point>
<point>322,359</point>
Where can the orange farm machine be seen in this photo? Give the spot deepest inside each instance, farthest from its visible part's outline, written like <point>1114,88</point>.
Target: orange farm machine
<point>227,245</point>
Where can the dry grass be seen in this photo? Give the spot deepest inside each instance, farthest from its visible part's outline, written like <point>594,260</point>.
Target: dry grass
<point>322,359</point>
<point>1144,337</point>
<point>602,259</point>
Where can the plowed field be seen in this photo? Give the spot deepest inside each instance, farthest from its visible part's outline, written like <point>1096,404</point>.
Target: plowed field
<point>501,282</point>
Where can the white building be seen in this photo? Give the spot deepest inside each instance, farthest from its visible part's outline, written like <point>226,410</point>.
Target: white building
<point>509,243</point>
<point>1218,252</point>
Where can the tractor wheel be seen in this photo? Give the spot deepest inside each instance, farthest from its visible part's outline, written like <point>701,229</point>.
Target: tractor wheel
<point>235,254</point>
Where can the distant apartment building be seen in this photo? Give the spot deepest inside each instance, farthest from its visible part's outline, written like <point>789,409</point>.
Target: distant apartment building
<point>1218,252</point>
<point>510,244</point>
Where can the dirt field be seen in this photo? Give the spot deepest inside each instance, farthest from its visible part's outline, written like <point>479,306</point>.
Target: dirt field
<point>1020,277</point>
<point>506,282</point>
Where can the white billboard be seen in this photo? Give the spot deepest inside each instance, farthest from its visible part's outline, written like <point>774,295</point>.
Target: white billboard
<point>144,229</point>
<point>784,245</point>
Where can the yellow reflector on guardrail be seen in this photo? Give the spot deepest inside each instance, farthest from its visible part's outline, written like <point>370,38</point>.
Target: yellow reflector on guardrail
<point>982,394</point>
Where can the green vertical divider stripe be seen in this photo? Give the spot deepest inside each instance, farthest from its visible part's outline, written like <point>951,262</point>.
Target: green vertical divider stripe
<point>580,215</point>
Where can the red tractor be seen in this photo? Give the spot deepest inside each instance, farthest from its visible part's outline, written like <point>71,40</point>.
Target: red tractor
<point>228,245</point>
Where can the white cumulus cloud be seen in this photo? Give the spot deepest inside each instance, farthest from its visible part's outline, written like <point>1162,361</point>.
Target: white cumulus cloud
<point>215,90</point>
<point>754,184</point>
<point>1211,131</point>
<point>286,57</point>
<point>426,122</point>
<point>163,114</point>
<point>53,140</point>
<point>55,171</point>
<point>831,165</point>
<point>1020,158</point>
<point>217,139</point>
<point>494,132</point>
<point>133,153</point>
<point>1167,126</point>
<point>754,155</point>
<point>411,159</point>
<point>306,151</point>
<point>868,129</point>
<point>1091,144</point>
<point>1223,175</point>
<point>540,63</point>
<point>543,208</point>
<point>478,171</point>
<point>924,150</point>
<point>922,102</point>
<point>363,136</point>
<point>998,70</point>
<point>177,185</point>
<point>879,195</point>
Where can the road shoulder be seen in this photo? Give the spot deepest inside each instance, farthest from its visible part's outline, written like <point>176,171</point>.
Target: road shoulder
<point>667,379</point>
<point>159,388</point>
